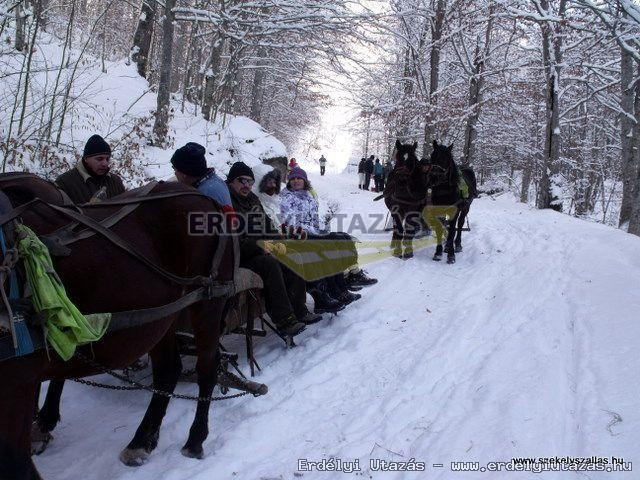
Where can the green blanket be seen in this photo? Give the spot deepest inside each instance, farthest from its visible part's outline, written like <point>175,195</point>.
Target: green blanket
<point>66,327</point>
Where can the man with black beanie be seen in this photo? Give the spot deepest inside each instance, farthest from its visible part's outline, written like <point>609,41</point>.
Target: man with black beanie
<point>90,180</point>
<point>285,292</point>
<point>190,166</point>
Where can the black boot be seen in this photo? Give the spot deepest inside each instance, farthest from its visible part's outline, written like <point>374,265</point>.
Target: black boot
<point>323,302</point>
<point>290,326</point>
<point>347,297</point>
<point>308,318</point>
<point>359,279</point>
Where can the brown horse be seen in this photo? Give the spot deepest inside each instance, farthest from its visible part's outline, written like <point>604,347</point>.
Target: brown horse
<point>102,277</point>
<point>405,197</point>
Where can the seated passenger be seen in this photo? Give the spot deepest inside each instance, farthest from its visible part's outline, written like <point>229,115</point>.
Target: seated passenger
<point>190,166</point>
<point>91,179</point>
<point>299,209</point>
<point>284,291</point>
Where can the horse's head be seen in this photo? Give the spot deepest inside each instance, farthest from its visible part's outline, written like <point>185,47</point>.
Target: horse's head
<point>405,155</point>
<point>441,167</point>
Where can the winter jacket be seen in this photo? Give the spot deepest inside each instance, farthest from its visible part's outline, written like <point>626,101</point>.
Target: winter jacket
<point>299,208</point>
<point>368,166</point>
<point>361,166</point>
<point>323,161</point>
<point>81,186</point>
<point>378,169</point>
<point>257,226</point>
<point>214,187</point>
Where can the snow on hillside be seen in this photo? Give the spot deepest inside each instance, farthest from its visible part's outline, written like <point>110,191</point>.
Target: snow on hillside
<point>526,347</point>
<point>119,106</point>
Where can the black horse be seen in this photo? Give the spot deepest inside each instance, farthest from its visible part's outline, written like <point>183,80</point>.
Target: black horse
<point>446,182</point>
<point>405,196</point>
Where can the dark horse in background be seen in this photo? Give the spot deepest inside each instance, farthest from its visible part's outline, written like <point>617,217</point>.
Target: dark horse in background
<point>405,196</point>
<point>101,277</point>
<point>443,178</point>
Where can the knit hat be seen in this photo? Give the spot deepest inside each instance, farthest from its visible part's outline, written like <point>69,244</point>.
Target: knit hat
<point>96,146</point>
<point>297,172</point>
<point>239,169</point>
<point>190,160</point>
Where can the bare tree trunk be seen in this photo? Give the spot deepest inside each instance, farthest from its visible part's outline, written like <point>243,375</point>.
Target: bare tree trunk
<point>63,61</point>
<point>552,56</point>
<point>142,38</point>
<point>224,94</point>
<point>581,168</point>
<point>160,127</point>
<point>634,220</point>
<point>475,94</point>
<point>526,182</point>
<point>188,74</point>
<point>21,25</point>
<point>434,75</point>
<point>257,91</point>
<point>28,73</point>
<point>527,173</point>
<point>629,161</point>
<point>210,76</point>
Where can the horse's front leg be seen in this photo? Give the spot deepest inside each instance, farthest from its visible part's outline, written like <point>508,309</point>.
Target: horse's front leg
<point>166,367</point>
<point>398,233</point>
<point>206,319</point>
<point>47,418</point>
<point>449,249</point>
<point>464,210</point>
<point>439,228</point>
<point>412,224</point>
<point>16,404</point>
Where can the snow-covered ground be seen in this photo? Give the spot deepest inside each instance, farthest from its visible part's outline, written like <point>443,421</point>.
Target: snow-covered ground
<point>526,347</point>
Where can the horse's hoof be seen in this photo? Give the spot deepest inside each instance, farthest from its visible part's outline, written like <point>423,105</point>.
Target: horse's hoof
<point>40,444</point>
<point>458,248</point>
<point>437,258</point>
<point>197,453</point>
<point>134,457</point>
<point>451,258</point>
<point>408,255</point>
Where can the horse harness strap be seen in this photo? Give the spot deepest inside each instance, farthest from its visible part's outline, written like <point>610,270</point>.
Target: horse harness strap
<point>65,236</point>
<point>123,320</point>
<point>111,236</point>
<point>120,242</point>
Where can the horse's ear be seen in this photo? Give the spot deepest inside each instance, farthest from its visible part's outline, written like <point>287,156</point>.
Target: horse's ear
<point>450,148</point>
<point>435,144</point>
<point>415,145</point>
<point>398,144</point>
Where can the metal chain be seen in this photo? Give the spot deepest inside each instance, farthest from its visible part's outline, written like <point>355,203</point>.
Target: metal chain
<point>139,386</point>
